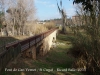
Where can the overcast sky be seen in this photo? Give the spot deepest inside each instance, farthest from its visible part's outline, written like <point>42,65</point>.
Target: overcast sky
<point>47,9</point>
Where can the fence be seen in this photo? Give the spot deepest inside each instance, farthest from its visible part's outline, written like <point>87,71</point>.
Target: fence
<point>13,49</point>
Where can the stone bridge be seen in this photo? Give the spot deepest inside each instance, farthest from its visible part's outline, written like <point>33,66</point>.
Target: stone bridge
<point>41,47</point>
<point>30,47</point>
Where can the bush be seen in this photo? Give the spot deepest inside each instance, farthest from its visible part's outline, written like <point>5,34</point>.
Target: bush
<point>86,44</point>
<point>86,54</point>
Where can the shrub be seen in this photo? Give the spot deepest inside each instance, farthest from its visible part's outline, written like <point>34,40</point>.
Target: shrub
<point>86,44</point>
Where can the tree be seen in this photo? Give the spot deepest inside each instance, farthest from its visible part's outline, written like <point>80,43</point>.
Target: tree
<point>88,6</point>
<point>2,14</point>
<point>21,13</point>
<point>64,17</point>
<point>87,43</point>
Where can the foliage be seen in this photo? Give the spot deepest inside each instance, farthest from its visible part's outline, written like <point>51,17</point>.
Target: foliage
<point>86,44</point>
<point>88,6</point>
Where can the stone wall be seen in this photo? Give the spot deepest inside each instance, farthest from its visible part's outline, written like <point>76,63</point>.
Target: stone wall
<point>43,48</point>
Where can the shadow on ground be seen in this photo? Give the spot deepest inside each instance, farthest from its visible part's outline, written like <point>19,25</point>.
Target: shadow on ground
<point>56,58</point>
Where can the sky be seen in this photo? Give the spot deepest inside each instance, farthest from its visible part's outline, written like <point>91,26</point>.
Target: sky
<point>47,9</point>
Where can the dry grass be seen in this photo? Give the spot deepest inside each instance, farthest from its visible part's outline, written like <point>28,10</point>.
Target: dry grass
<point>39,29</point>
<point>56,58</point>
<point>50,25</point>
<point>33,28</point>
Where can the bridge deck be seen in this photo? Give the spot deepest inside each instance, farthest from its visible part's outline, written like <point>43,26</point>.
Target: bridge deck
<point>14,48</point>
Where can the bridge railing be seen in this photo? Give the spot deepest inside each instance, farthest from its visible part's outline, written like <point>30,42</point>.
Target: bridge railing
<point>13,49</point>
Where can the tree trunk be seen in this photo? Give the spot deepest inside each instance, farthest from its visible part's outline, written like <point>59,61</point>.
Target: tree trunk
<point>19,29</point>
<point>99,5</point>
<point>13,30</point>
<point>64,27</point>
<point>1,32</point>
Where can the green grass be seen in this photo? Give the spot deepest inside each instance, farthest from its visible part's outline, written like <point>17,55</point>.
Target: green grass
<point>56,58</point>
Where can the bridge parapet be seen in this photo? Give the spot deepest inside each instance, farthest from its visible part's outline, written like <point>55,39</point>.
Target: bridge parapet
<point>39,44</point>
